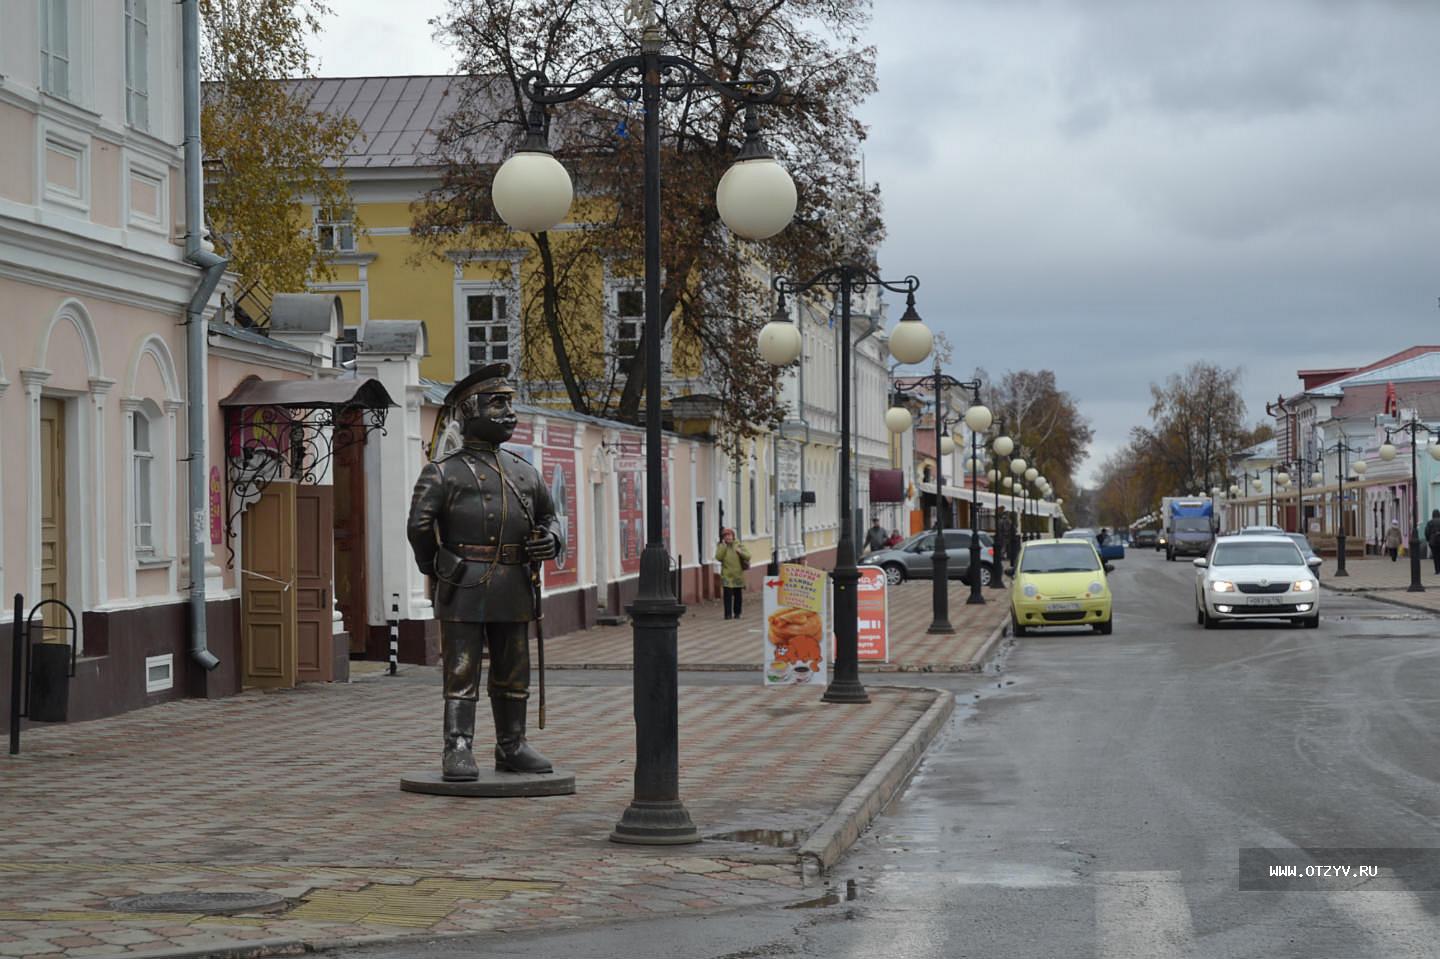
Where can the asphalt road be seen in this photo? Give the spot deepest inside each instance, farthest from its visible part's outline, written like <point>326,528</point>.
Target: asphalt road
<point>1091,801</point>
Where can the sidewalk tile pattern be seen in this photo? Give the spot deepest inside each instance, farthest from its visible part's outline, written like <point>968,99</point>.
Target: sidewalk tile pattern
<point>1386,580</point>
<point>296,792</point>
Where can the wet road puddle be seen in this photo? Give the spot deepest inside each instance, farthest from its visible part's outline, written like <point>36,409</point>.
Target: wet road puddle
<point>831,898</point>
<point>779,838</point>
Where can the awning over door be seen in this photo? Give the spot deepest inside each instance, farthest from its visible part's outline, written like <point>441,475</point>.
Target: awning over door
<point>290,430</point>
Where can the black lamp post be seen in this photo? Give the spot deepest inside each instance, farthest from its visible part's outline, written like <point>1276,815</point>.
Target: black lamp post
<point>909,343</point>
<point>1387,452</point>
<point>1002,446</point>
<point>940,559</point>
<point>1339,448</point>
<point>978,419</point>
<point>756,199</point>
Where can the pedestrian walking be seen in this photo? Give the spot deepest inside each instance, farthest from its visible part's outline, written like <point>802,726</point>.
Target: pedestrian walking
<point>895,539</point>
<point>1432,537</point>
<point>734,560</point>
<point>875,539</point>
<point>1392,540</point>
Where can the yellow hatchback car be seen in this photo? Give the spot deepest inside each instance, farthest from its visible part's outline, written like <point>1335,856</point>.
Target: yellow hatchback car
<point>1060,582</point>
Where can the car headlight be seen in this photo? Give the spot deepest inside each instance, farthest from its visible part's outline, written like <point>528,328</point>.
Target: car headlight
<point>1303,585</point>
<point>1223,586</point>
<point>1096,588</point>
<point>1030,590</point>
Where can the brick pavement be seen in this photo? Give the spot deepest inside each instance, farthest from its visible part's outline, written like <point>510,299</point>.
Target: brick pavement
<point>708,641</point>
<point>296,792</point>
<point>1386,581</point>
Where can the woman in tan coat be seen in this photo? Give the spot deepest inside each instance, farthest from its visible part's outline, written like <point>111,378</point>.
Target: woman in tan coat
<point>734,559</point>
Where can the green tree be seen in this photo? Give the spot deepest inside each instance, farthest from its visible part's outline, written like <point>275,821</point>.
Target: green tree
<point>267,156</point>
<point>714,299</point>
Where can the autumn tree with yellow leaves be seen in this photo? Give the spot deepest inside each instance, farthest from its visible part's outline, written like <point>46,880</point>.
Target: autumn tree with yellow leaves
<point>268,158</point>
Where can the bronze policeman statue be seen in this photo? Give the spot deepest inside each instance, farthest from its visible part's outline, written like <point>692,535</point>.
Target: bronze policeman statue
<point>481,521</point>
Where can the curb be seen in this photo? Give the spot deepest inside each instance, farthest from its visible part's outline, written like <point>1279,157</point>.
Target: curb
<point>983,653</point>
<point>873,793</point>
<point>248,950</point>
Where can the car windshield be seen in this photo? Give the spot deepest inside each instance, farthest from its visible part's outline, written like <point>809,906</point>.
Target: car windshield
<point>1077,557</point>
<point>1257,554</point>
<point>1192,524</point>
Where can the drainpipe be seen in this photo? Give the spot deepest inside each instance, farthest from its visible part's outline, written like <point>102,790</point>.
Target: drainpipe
<point>212,269</point>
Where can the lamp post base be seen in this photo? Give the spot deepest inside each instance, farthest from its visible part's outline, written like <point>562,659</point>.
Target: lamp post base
<point>1340,556</point>
<point>651,823</point>
<point>845,691</point>
<point>1415,585</point>
<point>940,627</point>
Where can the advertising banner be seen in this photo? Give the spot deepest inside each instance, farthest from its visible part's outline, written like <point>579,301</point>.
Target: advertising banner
<point>630,477</point>
<point>872,596</point>
<point>796,622</point>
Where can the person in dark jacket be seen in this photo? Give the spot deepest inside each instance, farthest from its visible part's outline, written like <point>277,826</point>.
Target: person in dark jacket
<point>1432,537</point>
<point>481,521</point>
<point>876,539</point>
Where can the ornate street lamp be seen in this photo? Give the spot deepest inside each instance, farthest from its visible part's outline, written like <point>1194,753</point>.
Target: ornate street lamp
<point>944,445</point>
<point>1387,452</point>
<point>978,419</point>
<point>1002,446</point>
<point>756,198</point>
<point>910,343</point>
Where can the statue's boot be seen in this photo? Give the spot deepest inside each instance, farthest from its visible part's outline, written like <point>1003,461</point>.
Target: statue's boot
<point>512,753</point>
<point>458,763</point>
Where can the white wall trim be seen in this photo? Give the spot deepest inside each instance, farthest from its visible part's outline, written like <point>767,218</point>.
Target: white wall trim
<point>74,312</point>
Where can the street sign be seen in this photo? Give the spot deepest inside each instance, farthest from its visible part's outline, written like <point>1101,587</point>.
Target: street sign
<point>872,597</point>
<point>795,605</point>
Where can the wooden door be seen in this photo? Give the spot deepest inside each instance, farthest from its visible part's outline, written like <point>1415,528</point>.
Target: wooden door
<point>267,588</point>
<point>351,591</point>
<point>53,569</point>
<point>314,616</point>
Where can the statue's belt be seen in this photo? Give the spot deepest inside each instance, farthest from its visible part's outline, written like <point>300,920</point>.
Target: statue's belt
<point>510,554</point>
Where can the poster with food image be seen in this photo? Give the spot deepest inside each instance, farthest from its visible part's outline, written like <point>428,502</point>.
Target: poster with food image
<point>796,618</point>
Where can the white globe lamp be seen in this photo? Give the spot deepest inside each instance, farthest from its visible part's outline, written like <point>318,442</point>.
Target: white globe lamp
<point>532,191</point>
<point>1003,446</point>
<point>978,418</point>
<point>898,419</point>
<point>1387,451</point>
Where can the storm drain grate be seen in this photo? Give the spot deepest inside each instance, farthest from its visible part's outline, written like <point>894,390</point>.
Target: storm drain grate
<point>205,903</point>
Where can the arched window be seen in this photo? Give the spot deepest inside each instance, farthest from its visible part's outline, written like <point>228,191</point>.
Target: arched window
<point>143,481</point>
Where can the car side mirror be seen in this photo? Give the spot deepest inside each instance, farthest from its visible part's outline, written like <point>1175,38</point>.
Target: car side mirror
<point>1314,562</point>
<point>1109,568</point>
<point>1201,563</point>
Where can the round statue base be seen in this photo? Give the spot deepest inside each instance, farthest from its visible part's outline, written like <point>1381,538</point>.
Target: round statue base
<point>493,784</point>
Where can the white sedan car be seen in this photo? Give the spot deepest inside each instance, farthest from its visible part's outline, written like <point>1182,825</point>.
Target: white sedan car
<point>1257,577</point>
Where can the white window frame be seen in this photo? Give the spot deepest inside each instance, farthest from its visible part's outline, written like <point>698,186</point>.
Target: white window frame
<point>164,661</point>
<point>50,52</point>
<point>143,483</point>
<point>137,64</point>
<point>337,224</point>
<point>463,292</point>
<point>615,319</point>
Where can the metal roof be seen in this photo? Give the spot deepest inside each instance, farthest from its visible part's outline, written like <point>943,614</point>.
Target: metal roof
<point>396,336</point>
<point>306,313</point>
<point>309,394</point>
<point>1425,366</point>
<point>398,117</point>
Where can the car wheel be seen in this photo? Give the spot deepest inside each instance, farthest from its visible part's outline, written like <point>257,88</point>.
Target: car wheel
<point>1199,616</point>
<point>985,575</point>
<point>1169,556</point>
<point>1208,621</point>
<point>1313,622</point>
<point>894,574</point>
<point>1015,628</point>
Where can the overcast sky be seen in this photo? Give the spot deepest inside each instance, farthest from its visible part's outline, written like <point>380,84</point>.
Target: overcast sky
<point>1115,188</point>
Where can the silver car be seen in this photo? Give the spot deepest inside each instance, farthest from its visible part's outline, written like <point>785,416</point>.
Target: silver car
<point>914,558</point>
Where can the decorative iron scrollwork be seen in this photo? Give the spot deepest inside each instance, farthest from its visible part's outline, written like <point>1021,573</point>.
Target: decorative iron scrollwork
<point>269,443</point>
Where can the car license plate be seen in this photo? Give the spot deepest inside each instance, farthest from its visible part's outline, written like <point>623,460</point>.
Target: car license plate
<point>1265,601</point>
<point>1060,607</point>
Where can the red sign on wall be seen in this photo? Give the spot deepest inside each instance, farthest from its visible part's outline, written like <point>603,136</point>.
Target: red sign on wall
<point>874,632</point>
<point>558,471</point>
<point>630,476</point>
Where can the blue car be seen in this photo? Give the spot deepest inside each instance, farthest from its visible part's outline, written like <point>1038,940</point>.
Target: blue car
<point>1113,548</point>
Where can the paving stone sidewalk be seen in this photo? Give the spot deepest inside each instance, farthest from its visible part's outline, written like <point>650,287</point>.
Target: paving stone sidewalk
<point>296,793</point>
<point>1387,581</point>
<point>708,641</point>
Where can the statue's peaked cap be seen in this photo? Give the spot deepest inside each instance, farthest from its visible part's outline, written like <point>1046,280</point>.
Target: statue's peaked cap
<point>493,378</point>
